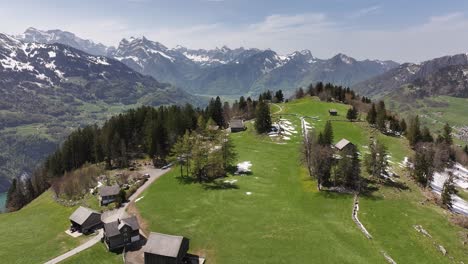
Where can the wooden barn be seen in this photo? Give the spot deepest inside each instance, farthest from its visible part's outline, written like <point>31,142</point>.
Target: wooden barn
<point>165,249</point>
<point>236,125</point>
<point>121,233</point>
<point>343,144</point>
<point>108,194</point>
<point>85,220</point>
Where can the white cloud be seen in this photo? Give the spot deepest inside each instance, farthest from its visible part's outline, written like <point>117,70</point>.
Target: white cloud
<point>365,11</point>
<point>437,36</point>
<point>324,36</point>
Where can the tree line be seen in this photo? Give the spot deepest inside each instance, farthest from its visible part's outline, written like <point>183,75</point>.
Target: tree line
<point>144,131</point>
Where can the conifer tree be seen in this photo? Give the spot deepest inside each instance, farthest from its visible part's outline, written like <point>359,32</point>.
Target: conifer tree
<point>414,131</point>
<point>447,134</point>
<point>376,162</point>
<point>447,191</point>
<point>328,133</point>
<point>263,118</point>
<point>299,93</point>
<point>426,135</point>
<point>403,125</point>
<point>423,164</point>
<point>372,115</point>
<point>352,114</point>
<point>279,96</point>
<point>381,116</point>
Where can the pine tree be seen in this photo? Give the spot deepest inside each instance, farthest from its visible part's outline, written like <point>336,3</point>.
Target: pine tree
<point>376,162</point>
<point>403,126</point>
<point>328,133</point>
<point>447,191</point>
<point>215,111</point>
<point>352,114</point>
<point>423,164</point>
<point>263,118</point>
<point>372,115</point>
<point>299,93</point>
<point>447,134</point>
<point>414,131</point>
<point>381,116</point>
<point>426,135</point>
<point>279,96</point>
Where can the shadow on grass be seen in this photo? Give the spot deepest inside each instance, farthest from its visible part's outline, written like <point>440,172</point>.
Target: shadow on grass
<point>186,179</point>
<point>219,185</point>
<point>398,185</point>
<point>215,184</point>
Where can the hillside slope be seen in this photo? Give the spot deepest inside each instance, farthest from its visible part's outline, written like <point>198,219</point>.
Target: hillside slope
<point>440,76</point>
<point>47,90</point>
<point>276,214</point>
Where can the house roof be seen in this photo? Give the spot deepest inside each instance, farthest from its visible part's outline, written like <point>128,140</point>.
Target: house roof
<point>113,228</point>
<point>109,190</point>
<point>163,245</point>
<point>81,214</point>
<point>342,144</point>
<point>236,123</point>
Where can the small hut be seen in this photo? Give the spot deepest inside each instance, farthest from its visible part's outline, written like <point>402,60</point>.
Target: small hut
<point>85,220</point>
<point>343,144</point>
<point>236,125</point>
<point>108,194</point>
<point>333,112</point>
<point>161,248</point>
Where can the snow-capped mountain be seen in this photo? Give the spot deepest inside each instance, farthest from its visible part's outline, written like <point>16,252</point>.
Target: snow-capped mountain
<point>63,37</point>
<point>59,88</point>
<point>446,75</point>
<point>240,71</point>
<point>225,71</point>
<point>28,70</point>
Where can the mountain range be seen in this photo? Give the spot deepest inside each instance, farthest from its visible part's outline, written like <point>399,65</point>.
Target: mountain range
<point>48,90</point>
<point>223,71</point>
<point>54,81</point>
<point>446,75</point>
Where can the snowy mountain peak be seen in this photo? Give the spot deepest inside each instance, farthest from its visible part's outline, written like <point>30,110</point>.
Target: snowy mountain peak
<point>344,58</point>
<point>32,34</point>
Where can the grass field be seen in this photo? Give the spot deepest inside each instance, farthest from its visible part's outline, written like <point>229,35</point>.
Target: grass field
<point>436,111</point>
<point>97,254</point>
<point>36,233</point>
<point>285,219</point>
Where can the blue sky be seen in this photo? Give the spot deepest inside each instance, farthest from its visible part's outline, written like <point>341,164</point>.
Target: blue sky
<point>400,30</point>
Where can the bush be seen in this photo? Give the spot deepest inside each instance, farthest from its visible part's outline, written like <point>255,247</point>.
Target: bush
<point>73,185</point>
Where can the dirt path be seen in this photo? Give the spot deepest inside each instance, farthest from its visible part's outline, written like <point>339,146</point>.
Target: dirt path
<point>280,109</point>
<point>113,215</point>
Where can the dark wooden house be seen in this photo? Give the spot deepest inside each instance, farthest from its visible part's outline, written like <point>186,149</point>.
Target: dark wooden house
<point>333,112</point>
<point>85,220</point>
<point>343,144</point>
<point>121,233</point>
<point>165,249</point>
<point>108,194</point>
<point>236,125</point>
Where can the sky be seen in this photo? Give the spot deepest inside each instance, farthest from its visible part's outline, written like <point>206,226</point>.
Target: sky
<point>400,30</point>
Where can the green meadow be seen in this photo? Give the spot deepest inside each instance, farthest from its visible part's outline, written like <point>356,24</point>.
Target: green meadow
<point>273,215</point>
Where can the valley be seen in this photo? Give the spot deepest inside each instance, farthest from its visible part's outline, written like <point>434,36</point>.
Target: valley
<point>277,207</point>
<point>225,132</point>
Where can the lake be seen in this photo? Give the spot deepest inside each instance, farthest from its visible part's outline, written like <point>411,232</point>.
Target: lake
<point>3,197</point>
